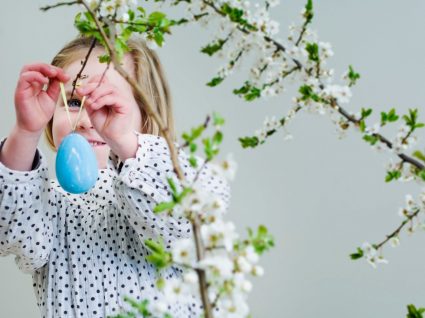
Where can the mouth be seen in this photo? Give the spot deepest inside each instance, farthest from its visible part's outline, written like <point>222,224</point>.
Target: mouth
<point>95,143</point>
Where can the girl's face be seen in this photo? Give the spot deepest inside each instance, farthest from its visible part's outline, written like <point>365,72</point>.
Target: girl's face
<point>61,127</point>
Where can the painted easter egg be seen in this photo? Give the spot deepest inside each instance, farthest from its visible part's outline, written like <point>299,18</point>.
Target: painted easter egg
<point>76,164</point>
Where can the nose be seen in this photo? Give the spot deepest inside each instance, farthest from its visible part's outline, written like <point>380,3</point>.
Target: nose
<point>84,122</point>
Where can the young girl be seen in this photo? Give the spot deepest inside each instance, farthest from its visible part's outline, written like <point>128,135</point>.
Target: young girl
<point>86,252</point>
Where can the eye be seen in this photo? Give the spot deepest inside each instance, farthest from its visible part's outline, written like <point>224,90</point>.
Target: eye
<point>74,103</point>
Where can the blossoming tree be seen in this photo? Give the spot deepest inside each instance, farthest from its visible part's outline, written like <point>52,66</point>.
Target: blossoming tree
<point>216,261</point>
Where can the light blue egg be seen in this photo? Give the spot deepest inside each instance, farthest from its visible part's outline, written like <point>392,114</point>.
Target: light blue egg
<point>76,164</point>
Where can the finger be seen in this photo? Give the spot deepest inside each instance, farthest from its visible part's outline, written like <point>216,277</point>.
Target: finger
<point>99,92</point>
<point>107,100</point>
<point>53,90</point>
<point>62,76</point>
<point>86,90</point>
<point>46,69</point>
<point>29,78</point>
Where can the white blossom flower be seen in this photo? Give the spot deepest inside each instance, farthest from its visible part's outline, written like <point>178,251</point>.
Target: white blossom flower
<point>341,93</point>
<point>158,308</point>
<point>272,28</point>
<point>257,270</point>
<point>411,205</point>
<point>226,168</point>
<point>271,123</point>
<point>218,265</point>
<point>261,134</point>
<point>183,251</point>
<point>219,234</point>
<point>394,241</point>
<point>372,130</point>
<point>175,290</point>
<point>371,255</point>
<point>325,50</point>
<point>232,306</point>
<point>243,264</point>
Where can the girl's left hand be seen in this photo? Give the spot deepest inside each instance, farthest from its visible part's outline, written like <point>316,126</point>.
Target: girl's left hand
<point>111,113</point>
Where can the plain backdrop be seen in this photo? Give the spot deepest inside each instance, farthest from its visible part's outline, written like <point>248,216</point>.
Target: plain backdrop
<point>321,197</point>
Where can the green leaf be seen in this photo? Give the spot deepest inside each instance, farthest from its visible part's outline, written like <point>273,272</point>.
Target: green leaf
<point>420,155</point>
<point>141,307</point>
<point>193,147</point>
<point>413,312</point>
<point>362,125</point>
<point>358,254</point>
<point>392,175</point>
<point>156,17</point>
<point>159,256</point>
<point>213,47</point>
<point>366,112</point>
<point>217,119</point>
<point>164,206</point>
<point>248,91</point>
<point>308,14</point>
<point>193,162</point>
<point>215,81</point>
<point>352,76</point>
<point>248,142</point>
<point>262,240</point>
<point>422,174</point>
<point>313,51</point>
<point>104,58</point>
<point>371,139</point>
<point>308,93</point>
<point>218,137</point>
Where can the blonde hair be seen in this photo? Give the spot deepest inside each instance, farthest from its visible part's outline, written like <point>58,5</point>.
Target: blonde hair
<point>149,74</point>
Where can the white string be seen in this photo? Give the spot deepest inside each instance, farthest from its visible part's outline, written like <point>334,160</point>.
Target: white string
<point>73,127</point>
<point>79,112</point>
<point>65,102</point>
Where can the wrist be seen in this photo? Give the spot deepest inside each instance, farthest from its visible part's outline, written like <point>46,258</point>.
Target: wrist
<point>19,149</point>
<point>21,133</point>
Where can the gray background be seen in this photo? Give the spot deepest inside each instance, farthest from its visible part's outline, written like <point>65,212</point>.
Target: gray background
<point>320,196</point>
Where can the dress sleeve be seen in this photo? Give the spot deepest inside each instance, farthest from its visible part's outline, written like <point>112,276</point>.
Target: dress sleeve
<point>142,184</point>
<point>26,228</point>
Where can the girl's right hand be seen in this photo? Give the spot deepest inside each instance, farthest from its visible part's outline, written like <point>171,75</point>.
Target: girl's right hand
<point>34,105</point>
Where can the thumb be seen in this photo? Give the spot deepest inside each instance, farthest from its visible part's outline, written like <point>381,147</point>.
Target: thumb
<point>53,90</point>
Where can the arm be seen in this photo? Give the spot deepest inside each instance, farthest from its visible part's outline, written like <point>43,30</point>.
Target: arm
<point>26,213</point>
<point>26,218</point>
<point>19,150</point>
<point>142,184</point>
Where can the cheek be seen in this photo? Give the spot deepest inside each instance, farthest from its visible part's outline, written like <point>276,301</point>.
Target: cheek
<point>137,116</point>
<point>60,127</point>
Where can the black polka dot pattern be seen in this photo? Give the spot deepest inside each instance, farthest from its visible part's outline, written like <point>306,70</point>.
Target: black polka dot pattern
<point>85,252</point>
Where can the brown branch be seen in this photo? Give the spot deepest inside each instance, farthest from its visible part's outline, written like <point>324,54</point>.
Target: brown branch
<point>59,4</point>
<point>203,287</point>
<point>74,82</point>
<point>109,42</point>
<point>397,230</point>
<point>381,138</point>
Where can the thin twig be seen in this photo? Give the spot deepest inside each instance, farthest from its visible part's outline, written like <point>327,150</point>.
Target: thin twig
<point>74,82</point>
<point>109,43</point>
<point>59,4</point>
<point>398,229</point>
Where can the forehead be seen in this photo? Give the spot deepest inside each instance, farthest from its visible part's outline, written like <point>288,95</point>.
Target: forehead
<point>94,68</point>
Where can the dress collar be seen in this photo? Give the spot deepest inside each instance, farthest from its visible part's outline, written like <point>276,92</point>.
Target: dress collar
<point>102,194</point>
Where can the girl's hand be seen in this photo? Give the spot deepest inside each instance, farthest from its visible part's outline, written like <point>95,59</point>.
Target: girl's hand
<point>35,106</point>
<point>112,114</point>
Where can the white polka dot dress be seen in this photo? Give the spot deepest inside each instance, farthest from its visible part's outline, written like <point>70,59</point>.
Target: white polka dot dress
<point>86,252</point>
